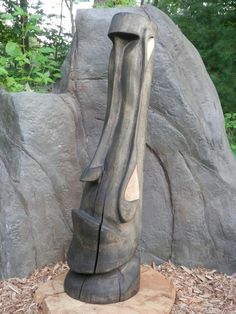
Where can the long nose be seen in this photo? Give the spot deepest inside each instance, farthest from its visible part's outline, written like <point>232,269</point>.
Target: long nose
<point>95,169</point>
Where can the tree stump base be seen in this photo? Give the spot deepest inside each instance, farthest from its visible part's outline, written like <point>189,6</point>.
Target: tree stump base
<point>156,295</point>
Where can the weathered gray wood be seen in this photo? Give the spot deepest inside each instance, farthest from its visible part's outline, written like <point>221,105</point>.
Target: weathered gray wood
<point>117,285</point>
<point>107,226</point>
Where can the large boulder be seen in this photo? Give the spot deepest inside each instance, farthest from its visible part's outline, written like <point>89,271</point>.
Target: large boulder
<point>189,206</point>
<point>40,154</point>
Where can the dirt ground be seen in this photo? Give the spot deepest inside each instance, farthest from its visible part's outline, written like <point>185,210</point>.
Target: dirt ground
<point>199,290</point>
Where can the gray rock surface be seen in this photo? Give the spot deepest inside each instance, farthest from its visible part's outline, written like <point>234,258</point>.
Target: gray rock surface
<point>189,206</point>
<point>40,154</point>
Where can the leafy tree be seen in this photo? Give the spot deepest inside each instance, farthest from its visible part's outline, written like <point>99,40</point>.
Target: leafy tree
<point>113,3</point>
<point>69,4</point>
<point>211,26</point>
<point>30,53</point>
<point>230,125</point>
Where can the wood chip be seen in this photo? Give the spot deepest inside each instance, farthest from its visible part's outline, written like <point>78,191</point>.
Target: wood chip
<point>16,294</point>
<point>186,270</point>
<point>199,290</point>
<point>202,278</point>
<point>14,288</point>
<point>154,265</point>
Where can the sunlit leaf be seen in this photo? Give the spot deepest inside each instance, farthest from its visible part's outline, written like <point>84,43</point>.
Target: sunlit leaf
<point>6,16</point>
<point>46,50</point>
<point>13,49</point>
<point>19,11</point>
<point>3,71</point>
<point>35,17</point>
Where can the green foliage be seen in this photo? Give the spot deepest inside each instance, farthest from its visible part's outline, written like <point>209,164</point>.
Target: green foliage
<point>30,54</point>
<point>115,3</point>
<point>211,26</point>
<point>230,126</point>
<point>13,49</point>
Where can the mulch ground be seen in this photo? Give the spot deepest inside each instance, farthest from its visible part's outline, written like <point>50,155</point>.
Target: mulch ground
<point>199,290</point>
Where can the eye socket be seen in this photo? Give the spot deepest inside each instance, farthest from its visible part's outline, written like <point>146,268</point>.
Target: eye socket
<point>125,36</point>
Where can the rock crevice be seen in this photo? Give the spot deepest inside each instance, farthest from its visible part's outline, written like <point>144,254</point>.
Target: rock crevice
<point>189,204</point>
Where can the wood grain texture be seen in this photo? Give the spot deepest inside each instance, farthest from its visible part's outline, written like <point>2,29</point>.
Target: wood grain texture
<point>107,226</point>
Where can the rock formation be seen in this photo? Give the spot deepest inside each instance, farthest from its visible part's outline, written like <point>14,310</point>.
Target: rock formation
<point>189,199</point>
<point>40,155</point>
<point>189,206</point>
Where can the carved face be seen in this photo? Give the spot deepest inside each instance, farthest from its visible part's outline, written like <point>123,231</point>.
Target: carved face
<point>108,222</point>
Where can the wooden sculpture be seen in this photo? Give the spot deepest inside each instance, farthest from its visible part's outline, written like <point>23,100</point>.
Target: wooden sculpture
<point>104,264</point>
